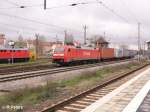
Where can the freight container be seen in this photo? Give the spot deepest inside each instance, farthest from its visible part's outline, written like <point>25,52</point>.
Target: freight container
<point>126,53</point>
<point>118,53</point>
<point>107,53</point>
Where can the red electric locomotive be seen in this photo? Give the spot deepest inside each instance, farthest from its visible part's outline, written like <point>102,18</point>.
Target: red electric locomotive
<point>8,54</point>
<point>72,54</point>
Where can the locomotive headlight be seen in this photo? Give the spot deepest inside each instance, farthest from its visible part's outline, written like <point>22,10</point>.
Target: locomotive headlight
<point>58,54</point>
<point>11,43</point>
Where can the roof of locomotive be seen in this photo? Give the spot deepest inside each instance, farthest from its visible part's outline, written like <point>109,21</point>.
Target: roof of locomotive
<point>82,47</point>
<point>2,48</point>
<point>91,48</point>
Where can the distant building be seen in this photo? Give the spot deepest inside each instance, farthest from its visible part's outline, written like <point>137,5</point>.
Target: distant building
<point>148,45</point>
<point>2,39</point>
<point>101,43</point>
<point>148,49</point>
<point>42,47</point>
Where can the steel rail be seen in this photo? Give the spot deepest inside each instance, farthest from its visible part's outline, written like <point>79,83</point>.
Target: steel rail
<point>25,68</point>
<point>66,102</point>
<point>52,71</point>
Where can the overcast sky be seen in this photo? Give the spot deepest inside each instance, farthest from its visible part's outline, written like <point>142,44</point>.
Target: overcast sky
<point>53,21</point>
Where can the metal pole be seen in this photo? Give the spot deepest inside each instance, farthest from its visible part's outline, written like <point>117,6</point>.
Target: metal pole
<point>104,35</point>
<point>45,4</point>
<point>37,45</point>
<point>85,28</point>
<point>139,44</point>
<point>144,53</point>
<point>65,40</point>
<point>12,54</point>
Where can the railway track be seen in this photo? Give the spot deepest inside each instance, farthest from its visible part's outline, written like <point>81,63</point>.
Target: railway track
<point>25,68</point>
<point>81,101</point>
<point>19,76</point>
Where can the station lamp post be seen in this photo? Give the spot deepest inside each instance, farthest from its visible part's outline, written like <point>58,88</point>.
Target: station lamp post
<point>12,44</point>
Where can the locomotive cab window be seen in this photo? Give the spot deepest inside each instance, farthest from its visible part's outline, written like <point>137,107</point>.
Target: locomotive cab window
<point>59,49</point>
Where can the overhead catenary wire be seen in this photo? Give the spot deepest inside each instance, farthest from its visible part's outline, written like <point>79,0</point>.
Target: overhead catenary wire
<point>25,28</point>
<point>9,8</point>
<point>22,7</point>
<point>12,3</point>
<point>84,3</point>
<point>111,10</point>
<point>19,6</point>
<point>28,29</point>
<point>24,32</point>
<point>123,18</point>
<point>129,10</point>
<point>12,29</point>
<point>73,4</point>
<point>139,40</point>
<point>37,22</point>
<point>80,3</point>
<point>26,19</point>
<point>40,5</point>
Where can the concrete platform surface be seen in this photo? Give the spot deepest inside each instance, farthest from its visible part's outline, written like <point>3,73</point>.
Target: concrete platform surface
<point>132,96</point>
<point>145,106</point>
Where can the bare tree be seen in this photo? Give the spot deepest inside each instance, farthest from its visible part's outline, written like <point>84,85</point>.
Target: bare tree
<point>39,44</point>
<point>20,43</point>
<point>69,39</point>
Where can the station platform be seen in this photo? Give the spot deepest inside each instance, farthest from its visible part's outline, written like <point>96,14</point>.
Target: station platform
<point>132,96</point>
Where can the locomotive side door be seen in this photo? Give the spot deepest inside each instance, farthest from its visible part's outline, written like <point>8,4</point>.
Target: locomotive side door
<point>68,54</point>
